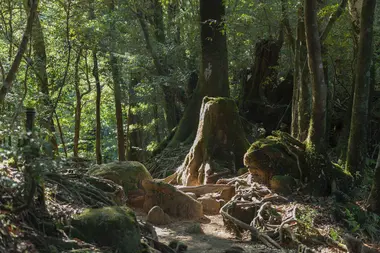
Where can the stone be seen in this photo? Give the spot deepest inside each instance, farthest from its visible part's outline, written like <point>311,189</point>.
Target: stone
<point>173,201</point>
<point>128,174</point>
<point>210,205</point>
<point>157,216</point>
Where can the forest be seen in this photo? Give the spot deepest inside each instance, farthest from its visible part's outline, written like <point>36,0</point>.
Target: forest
<point>171,126</point>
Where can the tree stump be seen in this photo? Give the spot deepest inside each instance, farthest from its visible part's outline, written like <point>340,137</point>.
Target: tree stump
<point>219,145</point>
<point>280,161</point>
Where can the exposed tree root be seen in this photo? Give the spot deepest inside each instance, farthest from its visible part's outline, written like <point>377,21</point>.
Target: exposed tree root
<point>271,223</point>
<point>204,189</point>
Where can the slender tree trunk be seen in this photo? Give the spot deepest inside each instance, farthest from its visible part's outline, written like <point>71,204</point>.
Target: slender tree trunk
<point>214,68</point>
<point>95,73</point>
<point>78,107</point>
<point>119,111</point>
<point>134,133</point>
<point>317,128</point>
<point>170,107</point>
<point>10,77</point>
<point>357,143</point>
<point>61,134</point>
<point>117,81</point>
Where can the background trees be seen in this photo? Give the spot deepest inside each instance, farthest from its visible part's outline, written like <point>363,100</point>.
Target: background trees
<point>121,79</point>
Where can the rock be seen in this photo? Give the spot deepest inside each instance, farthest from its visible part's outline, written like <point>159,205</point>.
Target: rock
<point>210,205</point>
<point>114,227</point>
<point>157,216</point>
<point>128,174</point>
<point>172,201</point>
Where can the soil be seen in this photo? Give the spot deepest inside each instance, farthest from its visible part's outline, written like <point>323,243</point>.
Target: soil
<point>214,239</point>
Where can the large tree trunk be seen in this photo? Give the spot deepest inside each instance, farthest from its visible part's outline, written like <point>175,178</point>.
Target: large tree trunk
<point>95,73</point>
<point>357,143</point>
<point>78,106</point>
<point>214,68</point>
<point>219,146</point>
<point>317,128</point>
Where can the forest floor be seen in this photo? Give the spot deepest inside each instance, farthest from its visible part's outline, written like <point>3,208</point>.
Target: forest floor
<point>317,218</point>
<point>211,238</point>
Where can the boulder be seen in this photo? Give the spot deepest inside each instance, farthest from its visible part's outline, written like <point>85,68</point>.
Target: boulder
<point>210,205</point>
<point>172,201</point>
<point>128,174</point>
<point>157,216</point>
<point>115,227</point>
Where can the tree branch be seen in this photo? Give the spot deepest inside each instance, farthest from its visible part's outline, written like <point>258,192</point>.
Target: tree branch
<point>334,17</point>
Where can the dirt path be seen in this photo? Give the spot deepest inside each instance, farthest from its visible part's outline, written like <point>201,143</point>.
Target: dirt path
<point>214,239</point>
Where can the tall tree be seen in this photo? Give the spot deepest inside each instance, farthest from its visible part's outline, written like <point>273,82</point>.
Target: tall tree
<point>317,128</point>
<point>95,73</point>
<point>301,108</point>
<point>40,70</point>
<point>357,142</point>
<point>214,67</point>
<point>117,81</point>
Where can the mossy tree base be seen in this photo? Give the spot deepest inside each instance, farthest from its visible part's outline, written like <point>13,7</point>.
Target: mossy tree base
<point>219,145</point>
<point>280,157</point>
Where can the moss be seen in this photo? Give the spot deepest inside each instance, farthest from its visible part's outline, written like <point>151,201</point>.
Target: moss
<point>114,227</point>
<point>128,174</point>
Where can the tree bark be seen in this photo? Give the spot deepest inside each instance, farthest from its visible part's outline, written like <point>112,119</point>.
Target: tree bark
<point>117,80</point>
<point>78,106</point>
<point>357,143</point>
<point>134,134</point>
<point>214,68</point>
<point>317,128</point>
<point>95,73</point>
<point>10,77</point>
<point>119,111</point>
<point>220,143</point>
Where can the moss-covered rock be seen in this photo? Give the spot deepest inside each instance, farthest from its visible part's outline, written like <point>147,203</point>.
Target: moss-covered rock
<point>281,161</point>
<point>128,174</point>
<point>114,227</point>
<point>276,155</point>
